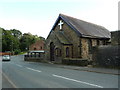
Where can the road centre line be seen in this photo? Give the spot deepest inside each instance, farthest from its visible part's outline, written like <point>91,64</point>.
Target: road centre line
<point>77,81</point>
<point>33,69</point>
<point>19,65</point>
<point>28,68</point>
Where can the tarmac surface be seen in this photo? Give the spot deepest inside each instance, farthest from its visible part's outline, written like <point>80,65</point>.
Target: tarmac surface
<point>18,73</point>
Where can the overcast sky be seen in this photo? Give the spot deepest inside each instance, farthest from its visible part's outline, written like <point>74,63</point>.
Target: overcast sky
<point>38,16</point>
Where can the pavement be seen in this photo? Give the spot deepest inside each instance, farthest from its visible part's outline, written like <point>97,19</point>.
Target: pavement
<point>91,69</point>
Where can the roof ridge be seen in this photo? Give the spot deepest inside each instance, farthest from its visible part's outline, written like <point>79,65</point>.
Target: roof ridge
<point>83,21</point>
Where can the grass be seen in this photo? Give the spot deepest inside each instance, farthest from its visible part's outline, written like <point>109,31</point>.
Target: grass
<point>22,53</point>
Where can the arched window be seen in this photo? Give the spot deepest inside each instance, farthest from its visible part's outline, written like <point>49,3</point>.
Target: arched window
<point>67,51</point>
<point>41,47</point>
<point>34,48</point>
<point>90,45</point>
<point>58,52</point>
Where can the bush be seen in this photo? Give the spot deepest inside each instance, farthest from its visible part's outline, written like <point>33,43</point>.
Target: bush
<point>17,51</point>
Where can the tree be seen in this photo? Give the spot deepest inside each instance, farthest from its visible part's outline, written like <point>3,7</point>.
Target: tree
<point>16,33</point>
<point>7,40</point>
<point>1,39</point>
<point>42,38</point>
<point>26,40</point>
<point>13,40</point>
<point>10,40</point>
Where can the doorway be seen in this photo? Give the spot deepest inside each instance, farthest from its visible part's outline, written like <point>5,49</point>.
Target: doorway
<point>52,46</point>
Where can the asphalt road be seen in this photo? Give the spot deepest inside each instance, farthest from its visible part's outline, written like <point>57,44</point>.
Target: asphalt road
<point>18,73</point>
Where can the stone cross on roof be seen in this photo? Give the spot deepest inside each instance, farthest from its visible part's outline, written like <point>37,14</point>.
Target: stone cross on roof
<point>60,24</point>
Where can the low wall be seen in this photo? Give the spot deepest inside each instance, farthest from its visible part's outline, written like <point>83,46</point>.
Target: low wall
<point>73,61</point>
<point>4,53</point>
<point>107,56</point>
<point>34,57</point>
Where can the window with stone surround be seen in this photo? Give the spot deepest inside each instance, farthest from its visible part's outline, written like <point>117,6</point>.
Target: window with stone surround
<point>58,52</point>
<point>90,46</point>
<point>98,43</point>
<point>35,48</point>
<point>41,47</point>
<point>104,42</point>
<point>67,52</point>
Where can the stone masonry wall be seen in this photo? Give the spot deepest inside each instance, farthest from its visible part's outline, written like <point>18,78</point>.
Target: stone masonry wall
<point>54,39</point>
<point>70,51</point>
<point>107,56</point>
<point>115,37</point>
<point>84,46</point>
<point>94,42</point>
<point>72,36</point>
<point>78,49</point>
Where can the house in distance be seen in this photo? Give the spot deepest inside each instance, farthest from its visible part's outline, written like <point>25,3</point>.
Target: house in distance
<point>36,51</point>
<point>71,39</point>
<point>38,45</point>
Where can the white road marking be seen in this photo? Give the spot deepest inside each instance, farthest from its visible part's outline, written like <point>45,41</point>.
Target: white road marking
<point>77,81</point>
<point>9,80</point>
<point>19,65</point>
<point>33,69</point>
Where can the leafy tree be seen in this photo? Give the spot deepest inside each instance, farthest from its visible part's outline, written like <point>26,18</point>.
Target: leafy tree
<point>26,40</point>
<point>10,42</point>
<point>13,40</point>
<point>16,33</point>
<point>7,40</point>
<point>1,39</point>
<point>42,38</point>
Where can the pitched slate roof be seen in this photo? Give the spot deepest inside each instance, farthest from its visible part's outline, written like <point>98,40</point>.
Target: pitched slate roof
<point>83,28</point>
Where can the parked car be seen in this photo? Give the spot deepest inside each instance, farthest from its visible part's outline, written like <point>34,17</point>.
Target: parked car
<point>6,58</point>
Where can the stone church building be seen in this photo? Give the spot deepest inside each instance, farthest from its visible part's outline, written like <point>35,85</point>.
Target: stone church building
<point>74,39</point>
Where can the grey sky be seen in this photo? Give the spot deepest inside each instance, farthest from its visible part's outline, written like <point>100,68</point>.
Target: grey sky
<point>38,16</point>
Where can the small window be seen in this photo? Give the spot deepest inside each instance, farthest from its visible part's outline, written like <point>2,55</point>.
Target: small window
<point>98,43</point>
<point>104,42</point>
<point>90,45</point>
<point>41,47</point>
<point>67,52</point>
<point>34,48</point>
<point>58,52</point>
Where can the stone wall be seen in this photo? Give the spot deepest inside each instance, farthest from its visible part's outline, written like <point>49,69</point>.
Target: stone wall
<point>70,35</point>
<point>94,42</point>
<point>115,37</point>
<point>35,58</point>
<point>54,39</point>
<point>73,38</point>
<point>64,51</point>
<point>84,46</point>
<point>75,61</point>
<point>107,56</point>
<point>78,47</point>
